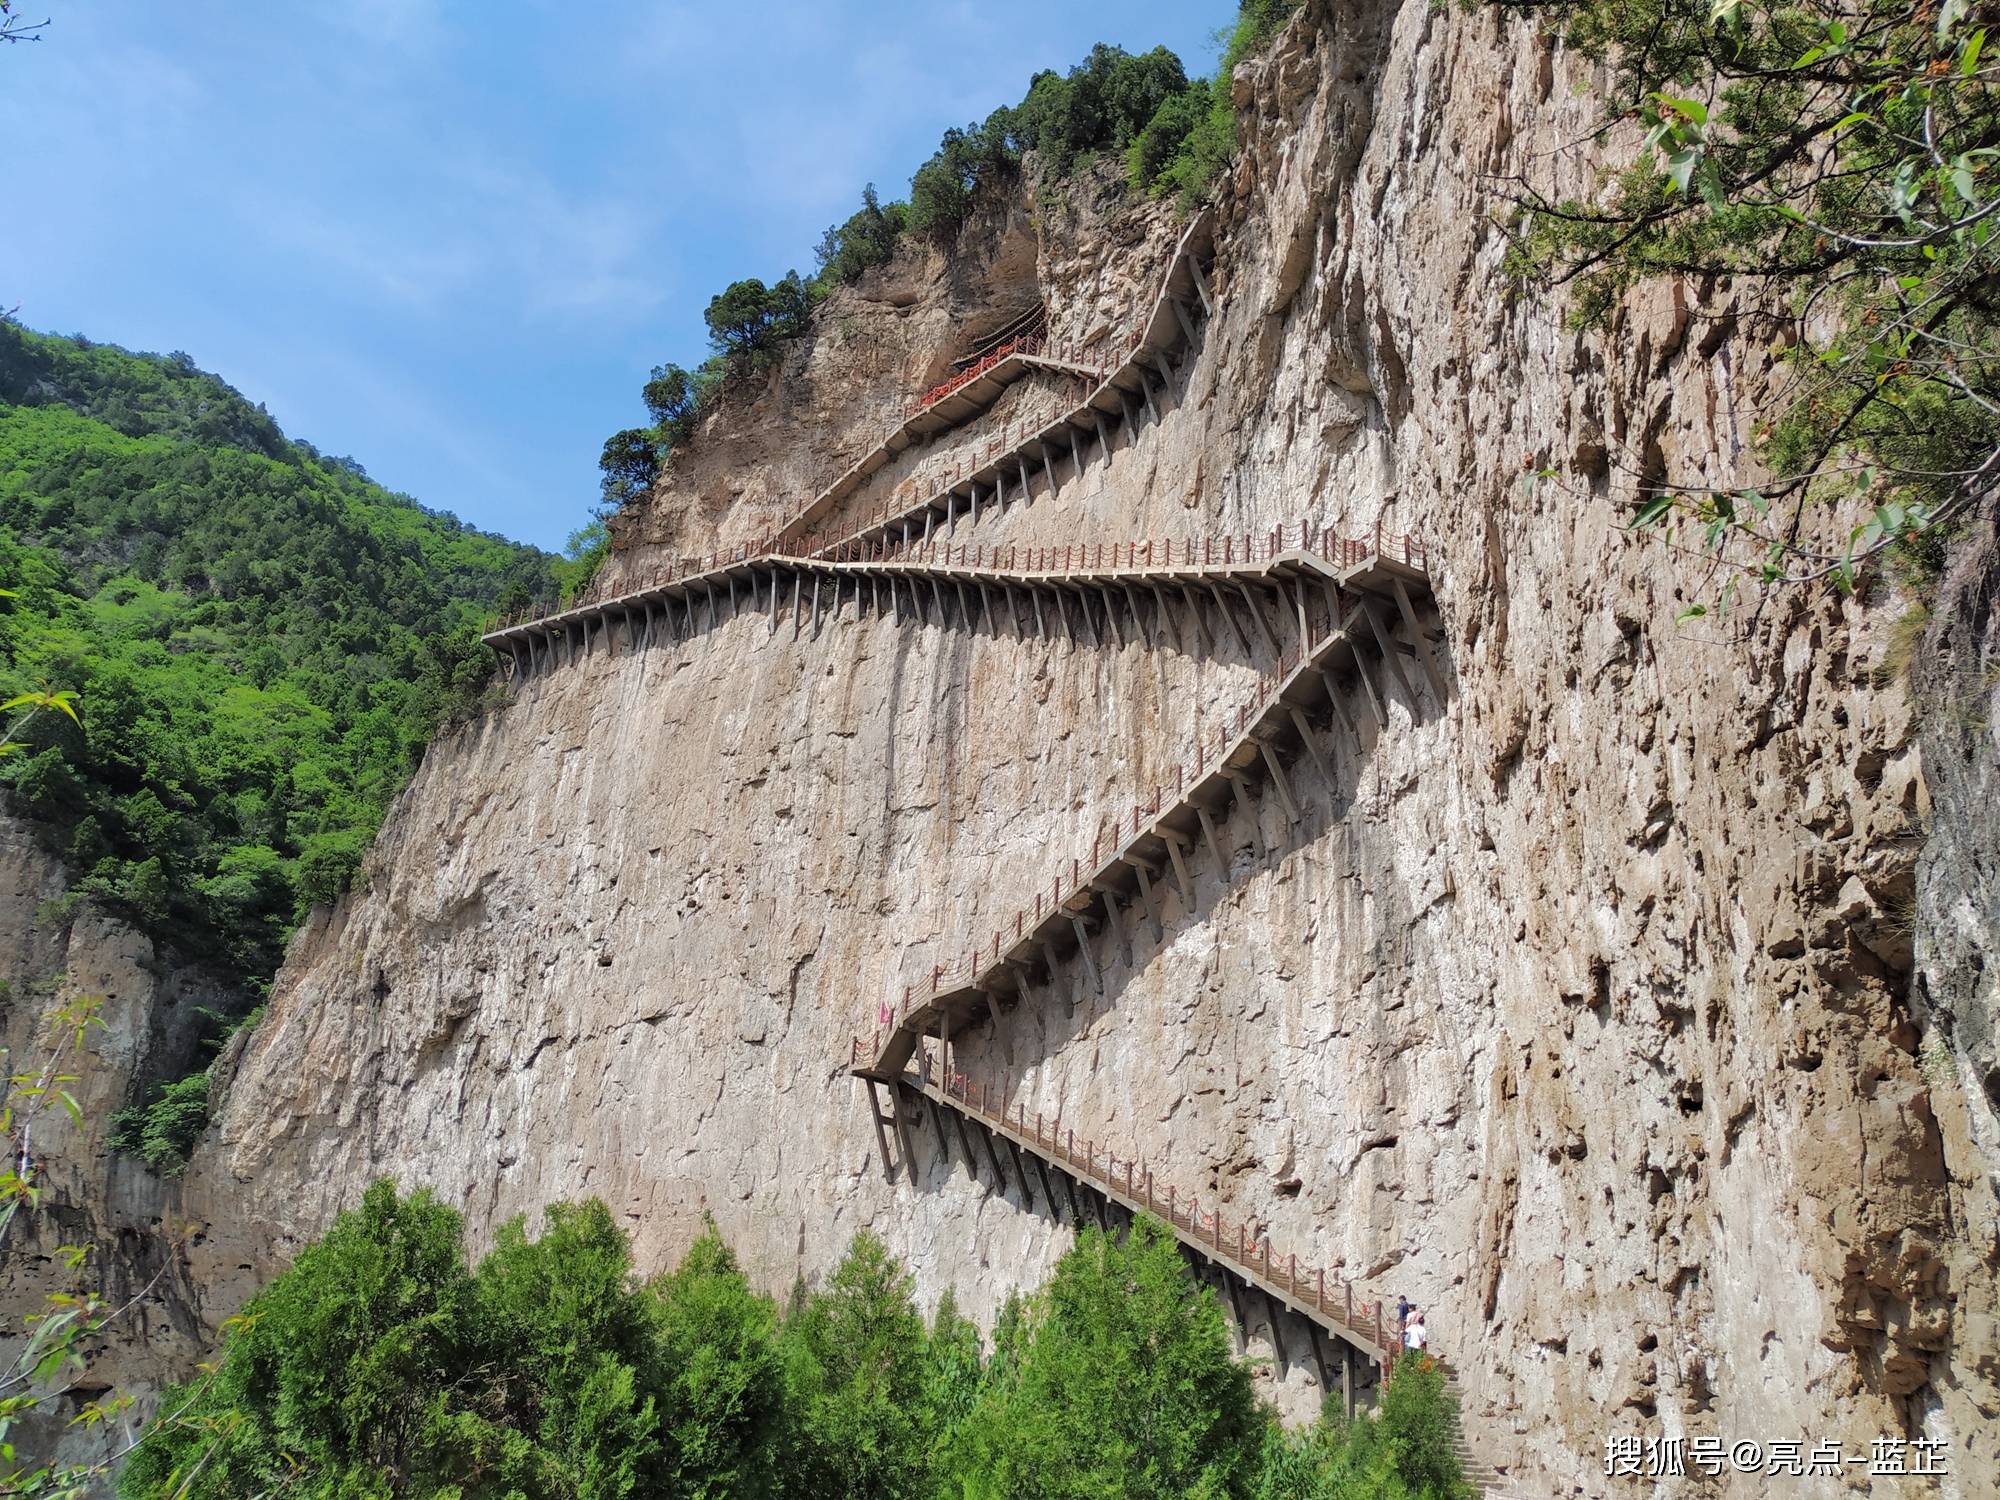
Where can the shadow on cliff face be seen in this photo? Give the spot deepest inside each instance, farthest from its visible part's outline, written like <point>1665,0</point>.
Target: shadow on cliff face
<point>1260,839</point>
<point>1952,993</point>
<point>1956,674</point>
<point>992,281</point>
<point>1106,618</point>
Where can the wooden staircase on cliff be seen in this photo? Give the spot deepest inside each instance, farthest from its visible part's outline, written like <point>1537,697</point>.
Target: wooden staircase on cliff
<point>1115,383</point>
<point>1351,1341</point>
<point>1370,622</point>
<point>1347,1338</point>
<point>1352,610</point>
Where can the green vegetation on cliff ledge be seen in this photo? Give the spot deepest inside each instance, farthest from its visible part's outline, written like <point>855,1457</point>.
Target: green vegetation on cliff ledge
<point>1174,135</point>
<point>381,1364</point>
<point>261,638</point>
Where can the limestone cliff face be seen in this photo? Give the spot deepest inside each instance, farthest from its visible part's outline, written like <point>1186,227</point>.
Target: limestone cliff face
<point>91,1195</point>
<point>1953,996</point>
<point>1576,1008</point>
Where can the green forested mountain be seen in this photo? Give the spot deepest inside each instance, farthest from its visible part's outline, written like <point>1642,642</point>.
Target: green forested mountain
<point>262,640</point>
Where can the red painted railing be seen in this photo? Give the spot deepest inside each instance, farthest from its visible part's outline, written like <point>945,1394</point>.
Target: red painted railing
<point>1027,344</point>
<point>1333,1301</point>
<point>1098,357</point>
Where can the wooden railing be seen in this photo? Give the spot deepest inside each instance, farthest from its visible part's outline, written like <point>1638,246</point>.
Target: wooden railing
<point>1332,1301</point>
<point>1244,548</point>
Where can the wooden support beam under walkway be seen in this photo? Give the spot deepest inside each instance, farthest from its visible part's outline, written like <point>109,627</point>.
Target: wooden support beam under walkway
<point>1231,571</point>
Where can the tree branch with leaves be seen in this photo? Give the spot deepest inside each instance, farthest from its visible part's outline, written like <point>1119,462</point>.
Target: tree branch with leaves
<point>1840,157</point>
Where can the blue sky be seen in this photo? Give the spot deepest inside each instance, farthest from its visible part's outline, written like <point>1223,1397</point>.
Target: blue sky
<point>450,239</point>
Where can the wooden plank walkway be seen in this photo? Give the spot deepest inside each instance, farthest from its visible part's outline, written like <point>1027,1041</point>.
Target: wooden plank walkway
<point>1184,581</point>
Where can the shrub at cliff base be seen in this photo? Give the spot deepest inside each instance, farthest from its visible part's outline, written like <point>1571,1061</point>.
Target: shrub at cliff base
<point>1122,1383</point>
<point>381,1364</point>
<point>1402,1452</point>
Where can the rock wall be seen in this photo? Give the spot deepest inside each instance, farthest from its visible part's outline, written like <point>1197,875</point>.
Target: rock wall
<point>52,952</point>
<point>1576,1009</point>
<point>1957,677</point>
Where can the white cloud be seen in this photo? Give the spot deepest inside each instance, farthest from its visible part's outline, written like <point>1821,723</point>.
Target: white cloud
<point>413,28</point>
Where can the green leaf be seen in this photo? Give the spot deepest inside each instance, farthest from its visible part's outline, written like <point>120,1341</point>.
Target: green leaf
<point>1692,612</point>
<point>1687,109</point>
<point>1949,15</point>
<point>1652,512</point>
<point>1710,184</point>
<point>1680,167</point>
<point>1968,64</point>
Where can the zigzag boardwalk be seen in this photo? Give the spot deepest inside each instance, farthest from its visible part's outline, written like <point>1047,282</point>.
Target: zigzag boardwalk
<point>1335,615</point>
<point>1321,671</point>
